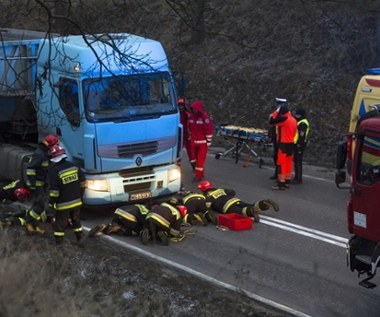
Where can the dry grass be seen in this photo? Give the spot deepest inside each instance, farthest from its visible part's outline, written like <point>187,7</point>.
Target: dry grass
<point>41,279</point>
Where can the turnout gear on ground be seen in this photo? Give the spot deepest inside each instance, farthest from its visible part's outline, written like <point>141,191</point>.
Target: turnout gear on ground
<point>201,131</point>
<point>66,189</point>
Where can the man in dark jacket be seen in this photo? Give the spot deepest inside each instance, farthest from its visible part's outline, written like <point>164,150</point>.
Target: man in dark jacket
<point>224,200</point>
<point>300,142</point>
<point>66,188</point>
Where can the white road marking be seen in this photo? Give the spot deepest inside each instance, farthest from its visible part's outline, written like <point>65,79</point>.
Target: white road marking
<point>312,233</point>
<point>203,276</point>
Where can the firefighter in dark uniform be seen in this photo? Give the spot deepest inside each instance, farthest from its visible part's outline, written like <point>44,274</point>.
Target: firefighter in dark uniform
<point>225,201</point>
<point>163,222</point>
<point>36,180</point>
<point>127,220</point>
<point>11,192</point>
<point>197,210</point>
<point>66,188</point>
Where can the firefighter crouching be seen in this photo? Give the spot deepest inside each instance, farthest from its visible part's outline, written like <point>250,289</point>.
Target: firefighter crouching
<point>163,223</point>
<point>197,210</point>
<point>127,220</point>
<point>66,188</point>
<point>224,200</point>
<point>11,192</point>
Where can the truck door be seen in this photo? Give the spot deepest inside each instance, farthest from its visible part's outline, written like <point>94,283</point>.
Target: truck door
<point>59,112</point>
<point>365,202</point>
<point>72,127</point>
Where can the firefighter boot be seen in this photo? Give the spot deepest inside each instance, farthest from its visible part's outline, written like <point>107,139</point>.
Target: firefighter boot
<point>269,203</point>
<point>79,237</point>
<point>279,186</point>
<point>144,236</point>
<point>211,217</point>
<point>29,228</point>
<point>254,212</point>
<point>199,218</point>
<point>112,228</point>
<point>6,222</point>
<point>97,230</point>
<point>39,229</point>
<point>163,237</point>
<point>58,240</point>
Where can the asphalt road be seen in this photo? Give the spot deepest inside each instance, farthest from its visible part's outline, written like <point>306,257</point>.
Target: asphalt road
<point>294,260</point>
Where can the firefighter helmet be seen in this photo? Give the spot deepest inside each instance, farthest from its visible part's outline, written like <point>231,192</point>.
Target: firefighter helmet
<point>21,193</point>
<point>205,185</point>
<point>57,153</point>
<point>50,140</point>
<point>182,209</point>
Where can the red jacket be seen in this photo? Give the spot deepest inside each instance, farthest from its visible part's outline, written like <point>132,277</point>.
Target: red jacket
<point>200,124</point>
<point>287,126</point>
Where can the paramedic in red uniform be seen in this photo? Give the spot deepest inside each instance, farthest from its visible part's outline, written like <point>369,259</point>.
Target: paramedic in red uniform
<point>201,132</point>
<point>286,132</point>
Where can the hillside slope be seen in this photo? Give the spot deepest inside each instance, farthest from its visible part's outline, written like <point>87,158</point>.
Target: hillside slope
<point>311,52</point>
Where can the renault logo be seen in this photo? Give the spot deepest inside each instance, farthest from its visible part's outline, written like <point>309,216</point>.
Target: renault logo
<point>138,161</point>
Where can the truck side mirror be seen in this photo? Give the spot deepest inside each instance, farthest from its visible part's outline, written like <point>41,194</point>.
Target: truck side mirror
<point>341,155</point>
<point>340,177</point>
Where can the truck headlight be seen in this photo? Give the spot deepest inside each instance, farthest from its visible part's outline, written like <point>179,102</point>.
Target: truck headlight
<point>174,174</point>
<point>100,185</point>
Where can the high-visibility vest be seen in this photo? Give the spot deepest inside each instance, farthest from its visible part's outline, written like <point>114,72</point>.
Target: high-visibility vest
<point>305,121</point>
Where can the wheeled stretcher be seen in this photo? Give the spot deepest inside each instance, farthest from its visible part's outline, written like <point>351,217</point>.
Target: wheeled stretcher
<point>242,138</point>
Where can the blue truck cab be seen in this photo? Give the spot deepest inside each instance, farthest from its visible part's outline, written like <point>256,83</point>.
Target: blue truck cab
<point>111,100</point>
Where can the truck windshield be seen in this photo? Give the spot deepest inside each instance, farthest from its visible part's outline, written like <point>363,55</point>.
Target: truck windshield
<point>369,163</point>
<point>129,97</point>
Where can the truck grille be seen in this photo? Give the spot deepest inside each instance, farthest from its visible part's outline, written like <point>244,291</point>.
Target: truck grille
<point>129,150</point>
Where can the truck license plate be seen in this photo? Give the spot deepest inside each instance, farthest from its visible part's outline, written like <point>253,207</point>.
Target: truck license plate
<point>141,195</point>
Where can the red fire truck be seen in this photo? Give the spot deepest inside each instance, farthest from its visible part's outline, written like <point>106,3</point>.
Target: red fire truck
<point>362,150</point>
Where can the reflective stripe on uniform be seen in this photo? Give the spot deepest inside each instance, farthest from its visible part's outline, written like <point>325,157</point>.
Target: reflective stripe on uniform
<point>229,203</point>
<point>175,211</point>
<point>188,197</point>
<point>78,229</point>
<point>126,215</point>
<point>161,220</point>
<point>143,209</point>
<point>69,204</point>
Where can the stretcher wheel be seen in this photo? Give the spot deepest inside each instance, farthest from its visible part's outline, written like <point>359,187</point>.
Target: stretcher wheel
<point>218,155</point>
